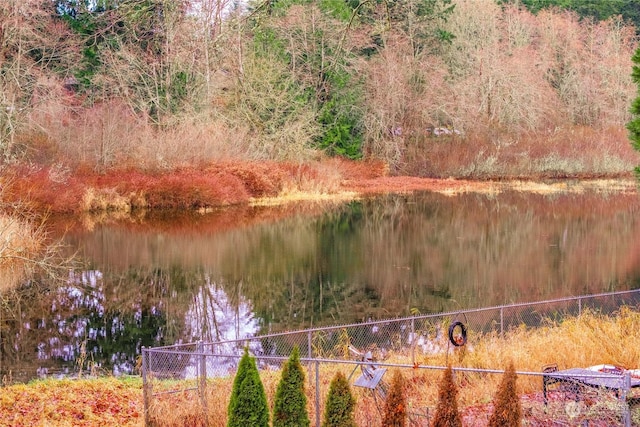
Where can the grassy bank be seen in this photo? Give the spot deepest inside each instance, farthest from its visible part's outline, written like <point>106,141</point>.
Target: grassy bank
<point>232,183</point>
<point>47,189</point>
<point>587,340</point>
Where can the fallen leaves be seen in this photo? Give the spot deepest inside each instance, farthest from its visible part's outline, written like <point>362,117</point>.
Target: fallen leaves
<point>77,403</point>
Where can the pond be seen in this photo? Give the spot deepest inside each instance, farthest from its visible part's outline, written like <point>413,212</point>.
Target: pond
<point>160,279</point>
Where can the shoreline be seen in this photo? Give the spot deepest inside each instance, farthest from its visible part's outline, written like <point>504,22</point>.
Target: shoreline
<point>222,185</point>
<point>453,187</point>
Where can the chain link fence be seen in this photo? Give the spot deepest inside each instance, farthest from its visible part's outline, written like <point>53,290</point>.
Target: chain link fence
<point>197,377</point>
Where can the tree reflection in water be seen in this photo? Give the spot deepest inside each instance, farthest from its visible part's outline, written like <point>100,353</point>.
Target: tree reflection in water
<point>253,270</point>
<point>75,328</point>
<point>213,316</point>
<point>90,326</point>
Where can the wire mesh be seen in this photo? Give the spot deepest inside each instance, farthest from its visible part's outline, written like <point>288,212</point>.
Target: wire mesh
<point>201,373</point>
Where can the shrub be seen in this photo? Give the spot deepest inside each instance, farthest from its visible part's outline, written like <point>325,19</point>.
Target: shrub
<point>506,406</point>
<point>248,405</point>
<point>395,412</point>
<point>340,404</point>
<point>447,410</point>
<point>290,408</point>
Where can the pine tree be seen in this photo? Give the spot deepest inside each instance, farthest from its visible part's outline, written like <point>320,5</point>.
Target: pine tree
<point>395,413</point>
<point>248,405</point>
<point>507,411</point>
<point>447,410</point>
<point>634,124</point>
<point>290,408</point>
<point>340,404</point>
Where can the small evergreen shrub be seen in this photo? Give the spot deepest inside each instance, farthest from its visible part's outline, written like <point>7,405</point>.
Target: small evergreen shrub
<point>447,414</point>
<point>340,405</point>
<point>248,405</point>
<point>395,411</point>
<point>507,411</point>
<point>290,407</point>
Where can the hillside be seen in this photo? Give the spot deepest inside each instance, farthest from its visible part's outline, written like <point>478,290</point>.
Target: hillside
<point>431,88</point>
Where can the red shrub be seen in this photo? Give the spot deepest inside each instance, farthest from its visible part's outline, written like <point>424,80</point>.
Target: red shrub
<point>395,412</point>
<point>447,414</point>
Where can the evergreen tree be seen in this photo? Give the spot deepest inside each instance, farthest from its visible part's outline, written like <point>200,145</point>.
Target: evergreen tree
<point>248,405</point>
<point>340,404</point>
<point>395,412</point>
<point>507,411</point>
<point>447,410</point>
<point>634,124</point>
<point>290,408</point>
<point>600,10</point>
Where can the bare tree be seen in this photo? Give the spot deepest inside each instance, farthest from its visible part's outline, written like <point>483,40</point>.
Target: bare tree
<point>27,47</point>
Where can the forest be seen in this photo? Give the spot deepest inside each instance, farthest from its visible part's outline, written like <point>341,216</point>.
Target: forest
<point>431,88</point>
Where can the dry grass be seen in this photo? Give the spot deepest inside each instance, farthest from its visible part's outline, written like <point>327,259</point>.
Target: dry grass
<point>19,241</point>
<point>582,341</point>
<point>569,152</point>
<point>590,339</point>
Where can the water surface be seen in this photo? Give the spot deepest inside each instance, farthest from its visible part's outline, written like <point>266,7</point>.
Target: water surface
<point>230,273</point>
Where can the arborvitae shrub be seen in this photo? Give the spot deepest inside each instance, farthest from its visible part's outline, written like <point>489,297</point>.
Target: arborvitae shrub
<point>507,411</point>
<point>290,407</point>
<point>248,405</point>
<point>338,411</point>
<point>395,411</point>
<point>447,410</point>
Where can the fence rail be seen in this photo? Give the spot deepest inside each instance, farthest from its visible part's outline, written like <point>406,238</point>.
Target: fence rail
<point>197,371</point>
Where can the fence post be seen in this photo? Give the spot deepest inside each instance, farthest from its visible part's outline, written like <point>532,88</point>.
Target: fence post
<point>317,393</point>
<point>413,341</point>
<point>309,352</point>
<point>146,387</point>
<point>202,384</point>
<point>501,321</point>
<point>579,306</point>
<point>626,387</point>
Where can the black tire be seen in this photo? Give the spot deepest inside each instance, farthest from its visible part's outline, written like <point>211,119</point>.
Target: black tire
<point>463,332</point>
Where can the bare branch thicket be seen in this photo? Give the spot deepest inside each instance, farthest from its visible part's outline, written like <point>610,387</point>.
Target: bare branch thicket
<point>282,128</point>
<point>494,64</point>
<point>29,42</point>
<point>588,67</point>
<point>172,92</point>
<point>212,20</point>
<point>391,116</point>
<point>510,71</point>
<point>270,97</point>
<point>612,44</point>
<point>475,26</point>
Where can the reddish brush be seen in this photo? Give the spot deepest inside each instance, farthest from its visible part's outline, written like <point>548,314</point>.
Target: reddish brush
<point>507,410</point>
<point>395,414</point>
<point>447,410</point>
